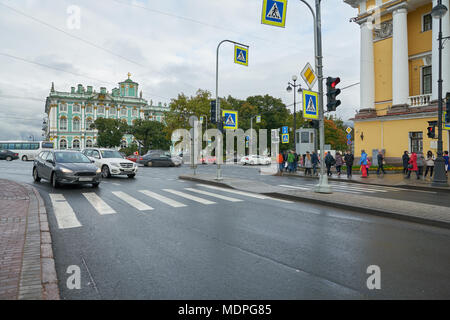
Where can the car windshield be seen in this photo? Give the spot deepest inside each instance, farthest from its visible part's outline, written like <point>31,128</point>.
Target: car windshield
<point>71,157</point>
<point>110,154</point>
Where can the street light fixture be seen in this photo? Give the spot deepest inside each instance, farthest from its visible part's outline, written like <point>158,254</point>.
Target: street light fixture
<point>440,178</point>
<point>289,89</point>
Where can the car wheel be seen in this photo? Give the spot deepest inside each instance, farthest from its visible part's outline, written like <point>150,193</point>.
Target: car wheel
<point>8,158</point>
<point>149,164</point>
<point>24,158</point>
<point>105,172</point>
<point>55,183</point>
<point>131,176</point>
<point>36,175</point>
<point>95,185</point>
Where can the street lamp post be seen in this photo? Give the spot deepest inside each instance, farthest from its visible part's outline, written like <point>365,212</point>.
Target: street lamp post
<point>289,89</point>
<point>440,178</point>
<point>218,111</point>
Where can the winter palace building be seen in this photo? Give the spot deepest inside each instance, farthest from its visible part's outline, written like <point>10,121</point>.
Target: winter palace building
<point>399,75</point>
<point>70,114</point>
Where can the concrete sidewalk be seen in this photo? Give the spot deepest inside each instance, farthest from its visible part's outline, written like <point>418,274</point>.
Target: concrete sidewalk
<point>397,209</point>
<point>27,267</point>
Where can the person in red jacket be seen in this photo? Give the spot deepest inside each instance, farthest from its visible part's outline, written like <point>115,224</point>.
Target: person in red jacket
<point>413,165</point>
<point>280,161</point>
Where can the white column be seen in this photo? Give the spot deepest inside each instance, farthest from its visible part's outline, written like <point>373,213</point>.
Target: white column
<point>367,74</point>
<point>400,72</point>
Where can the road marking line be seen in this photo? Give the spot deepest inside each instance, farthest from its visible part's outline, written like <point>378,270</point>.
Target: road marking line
<point>65,216</point>
<point>247,194</point>
<point>116,184</point>
<point>338,188</point>
<point>163,199</point>
<point>132,201</point>
<point>188,196</point>
<point>294,187</point>
<point>98,203</point>
<point>214,195</point>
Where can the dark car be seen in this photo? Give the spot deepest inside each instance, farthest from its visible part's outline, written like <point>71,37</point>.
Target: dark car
<point>156,159</point>
<point>8,155</point>
<point>65,167</point>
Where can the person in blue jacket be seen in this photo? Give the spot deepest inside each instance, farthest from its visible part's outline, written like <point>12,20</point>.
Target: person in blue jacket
<point>363,159</point>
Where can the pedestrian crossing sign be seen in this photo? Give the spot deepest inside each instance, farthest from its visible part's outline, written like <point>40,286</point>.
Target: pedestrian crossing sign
<point>285,138</point>
<point>241,55</point>
<point>274,12</point>
<point>310,105</point>
<point>230,119</point>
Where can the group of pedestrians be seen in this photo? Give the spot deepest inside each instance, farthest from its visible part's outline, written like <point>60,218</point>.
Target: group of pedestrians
<point>288,161</point>
<point>416,162</point>
<point>338,162</point>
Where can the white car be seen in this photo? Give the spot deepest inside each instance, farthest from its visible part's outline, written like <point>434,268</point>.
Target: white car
<point>255,159</point>
<point>111,162</point>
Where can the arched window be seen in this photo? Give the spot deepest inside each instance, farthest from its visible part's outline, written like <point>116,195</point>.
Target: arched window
<point>89,122</point>
<point>63,144</point>
<point>76,144</point>
<point>76,124</point>
<point>123,144</point>
<point>89,144</point>
<point>63,124</point>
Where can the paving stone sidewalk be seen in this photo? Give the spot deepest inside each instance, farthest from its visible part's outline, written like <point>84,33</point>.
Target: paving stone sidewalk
<point>27,267</point>
<point>397,209</point>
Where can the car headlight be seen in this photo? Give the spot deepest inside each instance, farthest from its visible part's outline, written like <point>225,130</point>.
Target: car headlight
<point>98,170</point>
<point>64,170</point>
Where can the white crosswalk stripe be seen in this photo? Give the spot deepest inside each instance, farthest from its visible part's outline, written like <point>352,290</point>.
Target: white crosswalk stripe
<point>188,196</point>
<point>139,205</point>
<point>243,193</point>
<point>215,195</point>
<point>98,203</point>
<point>65,216</point>
<point>163,199</point>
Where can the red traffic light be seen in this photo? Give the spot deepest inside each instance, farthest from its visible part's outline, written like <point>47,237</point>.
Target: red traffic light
<point>335,82</point>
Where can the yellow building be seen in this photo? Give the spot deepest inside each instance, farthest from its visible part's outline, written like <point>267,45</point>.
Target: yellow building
<point>399,76</point>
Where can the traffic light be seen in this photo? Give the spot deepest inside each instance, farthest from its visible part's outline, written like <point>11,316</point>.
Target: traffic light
<point>332,93</point>
<point>447,109</point>
<point>431,130</point>
<point>213,111</point>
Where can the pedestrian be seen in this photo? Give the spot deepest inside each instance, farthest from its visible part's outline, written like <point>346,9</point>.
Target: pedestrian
<point>446,161</point>
<point>363,161</point>
<point>295,161</point>
<point>412,165</point>
<point>339,163</point>
<point>285,164</point>
<point>380,159</point>
<point>420,163</point>
<point>349,159</point>
<point>308,163</point>
<point>329,162</point>
<point>290,160</point>
<point>315,161</point>
<point>405,159</point>
<point>429,161</point>
<point>280,161</point>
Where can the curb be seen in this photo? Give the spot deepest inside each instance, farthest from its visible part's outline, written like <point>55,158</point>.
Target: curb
<point>366,210</point>
<point>401,186</point>
<point>38,243</point>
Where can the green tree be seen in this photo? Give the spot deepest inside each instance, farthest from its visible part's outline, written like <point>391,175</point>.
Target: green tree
<point>335,134</point>
<point>110,132</point>
<point>150,134</point>
<point>132,148</point>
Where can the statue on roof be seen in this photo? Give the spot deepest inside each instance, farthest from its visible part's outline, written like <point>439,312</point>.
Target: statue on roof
<point>53,87</point>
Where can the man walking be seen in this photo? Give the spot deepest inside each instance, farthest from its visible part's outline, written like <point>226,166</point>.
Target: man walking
<point>349,159</point>
<point>380,159</point>
<point>290,160</point>
<point>329,162</point>
<point>315,161</point>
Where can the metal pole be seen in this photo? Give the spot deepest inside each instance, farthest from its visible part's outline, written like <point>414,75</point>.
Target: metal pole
<point>295,118</point>
<point>440,179</point>
<point>323,186</point>
<point>251,137</point>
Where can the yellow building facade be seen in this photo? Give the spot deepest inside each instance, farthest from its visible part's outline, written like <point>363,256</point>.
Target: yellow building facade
<point>399,76</point>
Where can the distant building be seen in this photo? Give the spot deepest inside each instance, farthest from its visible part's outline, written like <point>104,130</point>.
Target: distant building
<point>70,114</point>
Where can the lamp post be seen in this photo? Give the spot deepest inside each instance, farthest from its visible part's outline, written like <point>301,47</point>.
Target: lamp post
<point>289,89</point>
<point>31,137</point>
<point>439,179</point>
<point>218,111</point>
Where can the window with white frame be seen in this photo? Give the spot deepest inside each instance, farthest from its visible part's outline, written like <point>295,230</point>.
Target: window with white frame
<point>89,122</point>
<point>134,113</point>
<point>416,141</point>
<point>76,108</point>
<point>76,124</point>
<point>63,144</point>
<point>76,144</point>
<point>101,109</point>
<point>426,80</point>
<point>123,111</point>
<point>89,109</point>
<point>63,107</point>
<point>89,144</point>
<point>112,111</point>
<point>427,22</point>
<point>63,124</point>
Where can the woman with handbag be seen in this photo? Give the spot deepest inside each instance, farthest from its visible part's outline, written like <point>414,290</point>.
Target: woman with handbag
<point>412,165</point>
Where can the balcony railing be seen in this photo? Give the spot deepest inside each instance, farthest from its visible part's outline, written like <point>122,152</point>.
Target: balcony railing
<point>420,100</point>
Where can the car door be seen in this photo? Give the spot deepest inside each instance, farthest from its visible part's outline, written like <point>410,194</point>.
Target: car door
<point>47,166</point>
<point>95,155</point>
<point>2,154</point>
<point>40,163</point>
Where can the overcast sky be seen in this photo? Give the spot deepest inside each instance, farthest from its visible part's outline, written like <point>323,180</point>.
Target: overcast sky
<point>169,47</point>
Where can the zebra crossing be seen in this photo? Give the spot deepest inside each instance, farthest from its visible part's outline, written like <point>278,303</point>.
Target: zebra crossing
<point>207,195</point>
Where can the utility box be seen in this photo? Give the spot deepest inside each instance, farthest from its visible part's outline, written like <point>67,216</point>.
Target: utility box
<point>305,138</point>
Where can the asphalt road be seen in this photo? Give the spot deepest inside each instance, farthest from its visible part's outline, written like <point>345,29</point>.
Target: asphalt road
<point>130,245</point>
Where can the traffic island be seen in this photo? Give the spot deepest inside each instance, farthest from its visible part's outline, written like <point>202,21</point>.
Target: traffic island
<point>27,266</point>
<point>396,209</point>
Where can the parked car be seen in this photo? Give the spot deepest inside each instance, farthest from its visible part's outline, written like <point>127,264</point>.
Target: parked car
<point>65,167</point>
<point>133,158</point>
<point>111,162</point>
<point>8,155</point>
<point>156,159</point>
<point>255,159</point>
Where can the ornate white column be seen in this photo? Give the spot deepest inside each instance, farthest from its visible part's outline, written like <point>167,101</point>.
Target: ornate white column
<point>367,71</point>
<point>400,68</point>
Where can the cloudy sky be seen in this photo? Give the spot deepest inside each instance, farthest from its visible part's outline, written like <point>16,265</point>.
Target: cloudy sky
<point>169,46</point>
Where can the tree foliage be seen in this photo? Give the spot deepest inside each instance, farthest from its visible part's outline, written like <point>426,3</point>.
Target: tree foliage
<point>110,132</point>
<point>150,134</point>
